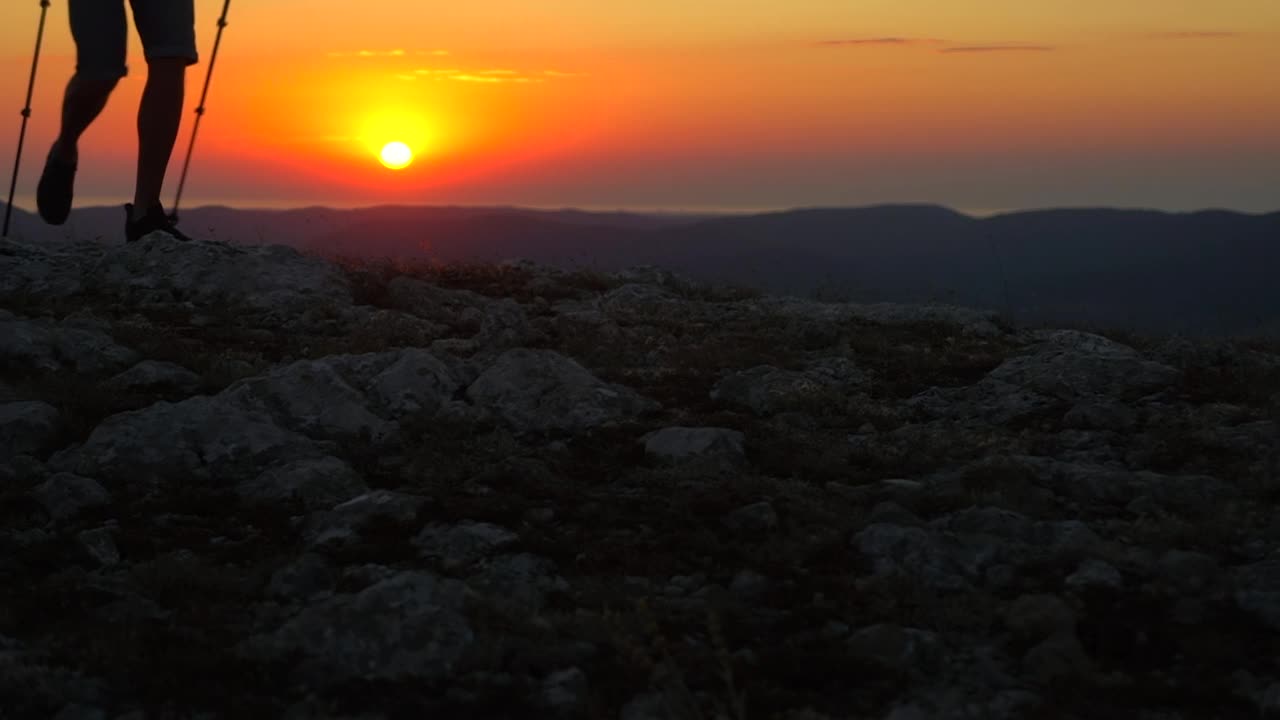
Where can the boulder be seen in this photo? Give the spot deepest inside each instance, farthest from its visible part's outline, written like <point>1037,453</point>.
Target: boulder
<point>151,376</point>
<point>541,390</point>
<point>65,495</point>
<point>407,627</point>
<point>675,444</point>
<point>29,427</point>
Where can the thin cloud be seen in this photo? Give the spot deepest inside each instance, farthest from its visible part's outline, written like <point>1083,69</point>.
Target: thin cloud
<point>998,48</point>
<point>1197,35</point>
<point>856,42</point>
<point>397,52</point>
<point>494,79</point>
<point>491,76</point>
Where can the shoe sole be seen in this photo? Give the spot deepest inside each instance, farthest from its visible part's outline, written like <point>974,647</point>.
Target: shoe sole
<point>56,192</point>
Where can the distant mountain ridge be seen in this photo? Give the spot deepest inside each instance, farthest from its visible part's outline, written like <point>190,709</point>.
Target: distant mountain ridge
<point>1204,272</point>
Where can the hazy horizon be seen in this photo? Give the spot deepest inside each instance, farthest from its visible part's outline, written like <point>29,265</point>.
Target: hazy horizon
<point>28,205</point>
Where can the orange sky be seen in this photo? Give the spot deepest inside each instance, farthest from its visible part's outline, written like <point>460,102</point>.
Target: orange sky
<point>979,104</point>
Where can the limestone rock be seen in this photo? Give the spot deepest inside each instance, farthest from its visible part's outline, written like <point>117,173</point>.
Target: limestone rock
<point>408,627</point>
<point>1040,616</point>
<point>757,517</point>
<point>766,390</point>
<point>65,495</point>
<point>675,444</point>
<point>30,427</point>
<point>460,545</point>
<point>36,346</point>
<point>523,580</point>
<point>261,279</point>
<point>1074,365</point>
<point>313,482</point>
<point>897,649</point>
<point>150,376</point>
<point>540,390</point>
<point>201,439</point>
<point>343,525</point>
<point>1095,574</point>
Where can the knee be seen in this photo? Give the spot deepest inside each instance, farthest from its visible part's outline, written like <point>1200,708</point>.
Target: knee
<point>167,67</point>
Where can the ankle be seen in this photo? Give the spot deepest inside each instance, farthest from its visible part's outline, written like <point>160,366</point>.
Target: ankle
<point>65,151</point>
<point>138,211</point>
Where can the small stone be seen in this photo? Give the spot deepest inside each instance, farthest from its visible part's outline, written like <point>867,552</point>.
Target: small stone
<point>1101,415</point>
<point>308,575</point>
<point>30,538</point>
<point>30,427</point>
<point>646,706</point>
<point>749,584</point>
<point>902,485</point>
<point>314,483</point>
<point>676,444</point>
<point>895,648</point>
<point>835,630</point>
<point>76,711</point>
<point>463,544</point>
<point>360,577</point>
<point>1187,571</point>
<point>910,711</point>
<point>537,391</point>
<point>894,514</point>
<point>342,526</point>
<point>65,495</point>
<point>1067,537</point>
<point>20,471</point>
<point>1058,658</point>
<point>151,376</point>
<point>1038,616</point>
<point>100,544</point>
<point>541,516</point>
<point>755,518</point>
<point>1093,574</point>
<point>523,580</point>
<point>407,628</point>
<point>565,690</point>
<point>1001,575</point>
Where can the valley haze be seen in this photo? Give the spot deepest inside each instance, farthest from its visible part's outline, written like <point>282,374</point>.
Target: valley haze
<point>1206,273</point>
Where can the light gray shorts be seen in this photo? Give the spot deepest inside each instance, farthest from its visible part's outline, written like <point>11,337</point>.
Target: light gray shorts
<point>167,29</point>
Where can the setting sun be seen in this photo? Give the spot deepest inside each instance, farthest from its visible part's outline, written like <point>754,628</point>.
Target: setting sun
<point>396,155</point>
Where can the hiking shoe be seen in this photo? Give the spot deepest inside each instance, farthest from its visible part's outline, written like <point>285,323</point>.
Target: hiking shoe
<point>54,193</point>
<point>154,221</point>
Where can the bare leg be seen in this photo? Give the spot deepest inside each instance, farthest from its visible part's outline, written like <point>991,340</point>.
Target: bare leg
<point>159,116</point>
<point>81,104</point>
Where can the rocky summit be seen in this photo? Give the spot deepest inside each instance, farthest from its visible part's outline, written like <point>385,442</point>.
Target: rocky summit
<point>239,481</point>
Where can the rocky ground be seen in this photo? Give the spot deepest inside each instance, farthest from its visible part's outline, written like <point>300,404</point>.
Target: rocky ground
<point>241,482</point>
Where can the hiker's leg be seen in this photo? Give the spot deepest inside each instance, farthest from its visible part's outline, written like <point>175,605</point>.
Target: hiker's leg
<point>100,31</point>
<point>81,104</point>
<point>159,116</point>
<point>167,28</point>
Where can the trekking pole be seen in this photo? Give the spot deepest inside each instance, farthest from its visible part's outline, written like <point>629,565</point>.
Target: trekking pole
<point>26,115</point>
<point>213,58</point>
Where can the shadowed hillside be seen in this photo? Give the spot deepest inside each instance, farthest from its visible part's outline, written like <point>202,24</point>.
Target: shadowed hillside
<point>241,481</point>
<point>1206,273</point>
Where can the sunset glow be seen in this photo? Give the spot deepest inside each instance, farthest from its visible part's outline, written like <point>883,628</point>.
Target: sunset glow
<point>396,155</point>
<point>711,104</point>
